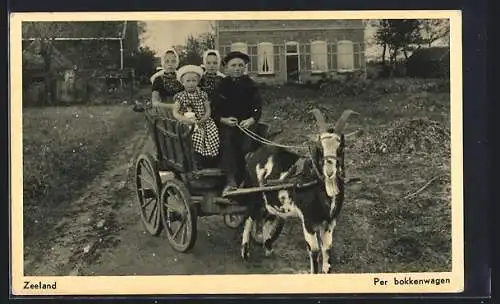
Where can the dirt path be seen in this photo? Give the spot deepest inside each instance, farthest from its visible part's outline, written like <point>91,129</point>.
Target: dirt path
<point>216,251</point>
<point>102,234</point>
<point>89,224</point>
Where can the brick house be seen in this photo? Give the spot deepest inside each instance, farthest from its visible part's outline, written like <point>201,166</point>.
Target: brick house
<point>295,50</point>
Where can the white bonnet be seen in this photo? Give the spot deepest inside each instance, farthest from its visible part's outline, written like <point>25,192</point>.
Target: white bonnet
<point>171,50</point>
<point>189,68</point>
<point>217,54</point>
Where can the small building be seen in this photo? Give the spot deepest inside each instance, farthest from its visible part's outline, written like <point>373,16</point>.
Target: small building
<point>35,73</point>
<point>89,44</point>
<point>96,56</point>
<point>295,50</point>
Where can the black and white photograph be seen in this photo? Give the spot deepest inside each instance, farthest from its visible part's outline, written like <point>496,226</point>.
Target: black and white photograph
<point>208,147</point>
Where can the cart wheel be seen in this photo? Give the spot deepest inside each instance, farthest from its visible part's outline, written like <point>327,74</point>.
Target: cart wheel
<point>276,228</point>
<point>233,220</point>
<point>178,215</point>
<point>148,185</point>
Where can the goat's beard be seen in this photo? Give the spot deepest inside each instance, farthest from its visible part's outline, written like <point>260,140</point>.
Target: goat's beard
<point>330,174</point>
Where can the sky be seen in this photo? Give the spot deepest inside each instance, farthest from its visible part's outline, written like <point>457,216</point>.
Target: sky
<point>161,35</point>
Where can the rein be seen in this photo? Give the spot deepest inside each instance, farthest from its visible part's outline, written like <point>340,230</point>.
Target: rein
<point>265,141</point>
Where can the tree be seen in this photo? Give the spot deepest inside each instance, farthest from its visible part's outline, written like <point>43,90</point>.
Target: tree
<point>383,36</point>
<point>397,35</point>
<point>433,30</point>
<point>195,47</point>
<point>144,63</point>
<point>45,32</point>
<point>207,41</point>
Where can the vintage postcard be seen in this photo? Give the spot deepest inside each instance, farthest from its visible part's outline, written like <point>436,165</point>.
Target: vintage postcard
<point>236,152</point>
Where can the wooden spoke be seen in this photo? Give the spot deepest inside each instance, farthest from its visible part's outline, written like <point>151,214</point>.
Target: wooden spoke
<point>176,199</point>
<point>148,202</point>
<point>155,208</point>
<point>179,229</point>
<point>147,180</point>
<point>148,169</point>
<point>147,190</point>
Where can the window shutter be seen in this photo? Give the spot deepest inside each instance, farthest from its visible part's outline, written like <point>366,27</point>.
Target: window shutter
<point>265,58</point>
<point>345,56</point>
<point>319,61</point>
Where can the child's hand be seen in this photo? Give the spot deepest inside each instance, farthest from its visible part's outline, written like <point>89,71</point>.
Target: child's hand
<point>190,117</point>
<point>229,121</point>
<point>247,122</point>
<point>190,120</point>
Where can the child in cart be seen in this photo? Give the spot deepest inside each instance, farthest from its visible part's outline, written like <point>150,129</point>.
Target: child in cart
<point>212,75</point>
<point>193,107</point>
<point>236,101</point>
<point>165,83</point>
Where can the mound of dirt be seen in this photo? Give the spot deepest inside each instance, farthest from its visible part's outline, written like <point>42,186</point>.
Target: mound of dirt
<point>409,136</point>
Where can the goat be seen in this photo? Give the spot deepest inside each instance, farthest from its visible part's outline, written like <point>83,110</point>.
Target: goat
<point>317,205</point>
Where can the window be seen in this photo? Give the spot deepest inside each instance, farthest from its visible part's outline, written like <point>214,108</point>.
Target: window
<point>292,47</point>
<point>252,54</point>
<point>345,56</point>
<point>265,58</point>
<point>319,56</point>
<point>277,51</point>
<point>241,47</point>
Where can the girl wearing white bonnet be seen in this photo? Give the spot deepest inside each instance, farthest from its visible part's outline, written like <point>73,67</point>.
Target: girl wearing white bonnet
<point>192,106</point>
<point>164,86</point>
<point>164,83</point>
<point>212,76</point>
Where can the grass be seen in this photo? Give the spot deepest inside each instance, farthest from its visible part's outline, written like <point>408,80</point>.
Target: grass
<point>64,148</point>
<point>379,230</point>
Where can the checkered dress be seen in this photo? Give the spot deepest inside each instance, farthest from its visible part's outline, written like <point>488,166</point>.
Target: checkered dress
<point>206,137</point>
<point>167,85</point>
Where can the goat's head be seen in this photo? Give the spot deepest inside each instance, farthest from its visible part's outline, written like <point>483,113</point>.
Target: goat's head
<point>329,148</point>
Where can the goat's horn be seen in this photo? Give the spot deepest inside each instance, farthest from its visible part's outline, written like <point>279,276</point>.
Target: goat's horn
<point>320,119</point>
<point>339,126</point>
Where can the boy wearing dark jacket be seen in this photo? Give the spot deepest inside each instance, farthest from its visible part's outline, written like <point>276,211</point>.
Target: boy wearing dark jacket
<point>235,102</point>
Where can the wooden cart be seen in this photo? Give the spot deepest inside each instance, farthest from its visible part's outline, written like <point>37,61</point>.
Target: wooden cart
<point>172,194</point>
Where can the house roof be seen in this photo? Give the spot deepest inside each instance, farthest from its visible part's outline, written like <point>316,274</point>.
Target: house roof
<point>75,30</point>
<point>32,60</point>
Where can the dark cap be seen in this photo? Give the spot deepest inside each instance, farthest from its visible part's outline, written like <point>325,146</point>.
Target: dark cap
<point>235,54</point>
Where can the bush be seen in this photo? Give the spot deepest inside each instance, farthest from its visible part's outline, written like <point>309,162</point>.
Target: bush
<point>429,63</point>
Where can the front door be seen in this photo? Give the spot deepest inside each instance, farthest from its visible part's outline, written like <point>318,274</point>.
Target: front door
<point>292,68</point>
